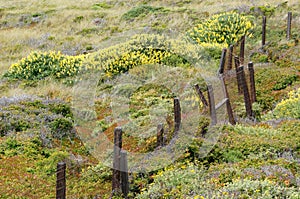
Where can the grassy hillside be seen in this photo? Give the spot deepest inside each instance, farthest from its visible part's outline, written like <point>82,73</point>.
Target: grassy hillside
<point>134,58</point>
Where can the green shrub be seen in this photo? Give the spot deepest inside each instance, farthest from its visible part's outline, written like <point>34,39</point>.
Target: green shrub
<point>288,108</point>
<point>142,50</point>
<point>47,166</point>
<point>142,11</point>
<point>104,5</point>
<point>225,28</point>
<point>39,65</point>
<point>61,127</point>
<point>285,81</point>
<point>261,189</point>
<point>30,116</point>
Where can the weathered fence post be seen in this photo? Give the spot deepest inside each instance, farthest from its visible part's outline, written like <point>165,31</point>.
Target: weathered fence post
<point>116,178</point>
<point>160,135</point>
<point>264,25</point>
<point>242,50</point>
<point>228,104</point>
<point>177,116</point>
<point>222,61</point>
<point>252,82</point>
<point>289,26</point>
<point>201,95</point>
<point>61,180</point>
<point>247,100</point>
<point>124,174</point>
<point>237,65</point>
<point>230,56</point>
<point>212,107</point>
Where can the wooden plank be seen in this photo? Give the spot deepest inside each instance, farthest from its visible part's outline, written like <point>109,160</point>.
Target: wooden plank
<point>224,101</point>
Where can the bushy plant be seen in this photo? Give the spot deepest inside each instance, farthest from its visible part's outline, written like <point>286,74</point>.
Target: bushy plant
<point>142,11</point>
<point>142,50</point>
<point>225,29</point>
<point>38,65</point>
<point>288,108</point>
<point>31,115</point>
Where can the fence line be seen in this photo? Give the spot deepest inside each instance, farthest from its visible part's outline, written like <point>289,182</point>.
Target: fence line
<point>120,165</point>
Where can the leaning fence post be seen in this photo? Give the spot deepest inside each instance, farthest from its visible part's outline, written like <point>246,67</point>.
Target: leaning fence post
<point>247,101</point>
<point>61,180</point>
<point>222,61</point>
<point>264,25</point>
<point>229,65</point>
<point>289,26</point>
<point>252,82</point>
<point>177,115</point>
<point>160,135</point>
<point>212,107</point>
<point>124,174</point>
<point>116,186</point>
<point>201,95</point>
<point>242,50</point>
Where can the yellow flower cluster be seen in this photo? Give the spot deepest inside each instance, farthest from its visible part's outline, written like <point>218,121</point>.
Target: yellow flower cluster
<point>225,28</point>
<point>290,107</point>
<point>38,65</point>
<point>140,50</point>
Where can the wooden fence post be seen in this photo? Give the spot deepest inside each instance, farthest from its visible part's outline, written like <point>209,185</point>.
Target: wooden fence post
<point>160,135</point>
<point>124,174</point>
<point>252,82</point>
<point>264,25</point>
<point>229,65</point>
<point>201,95</point>
<point>289,26</point>
<point>237,65</point>
<point>247,100</point>
<point>222,61</point>
<point>177,116</point>
<point>212,107</point>
<point>61,180</point>
<point>116,178</point>
<point>242,50</point>
<point>228,104</point>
